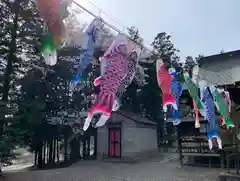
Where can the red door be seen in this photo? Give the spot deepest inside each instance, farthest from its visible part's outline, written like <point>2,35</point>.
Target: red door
<point>114,142</point>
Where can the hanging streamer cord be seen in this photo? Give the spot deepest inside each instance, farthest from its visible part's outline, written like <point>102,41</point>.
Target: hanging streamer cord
<point>109,25</point>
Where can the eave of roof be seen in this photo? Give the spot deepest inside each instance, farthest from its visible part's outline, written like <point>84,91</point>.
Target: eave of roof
<point>219,57</point>
<point>135,117</point>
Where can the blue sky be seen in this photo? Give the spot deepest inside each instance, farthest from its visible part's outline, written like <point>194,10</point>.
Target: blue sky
<point>196,26</point>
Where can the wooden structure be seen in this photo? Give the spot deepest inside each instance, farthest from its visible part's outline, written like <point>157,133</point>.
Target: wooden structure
<point>224,69</point>
<point>127,136</point>
<point>191,143</point>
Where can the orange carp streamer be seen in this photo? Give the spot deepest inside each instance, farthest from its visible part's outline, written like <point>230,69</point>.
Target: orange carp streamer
<point>50,11</point>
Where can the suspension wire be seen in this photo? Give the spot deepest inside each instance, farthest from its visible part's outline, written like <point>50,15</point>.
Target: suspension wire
<point>102,11</point>
<point>112,27</point>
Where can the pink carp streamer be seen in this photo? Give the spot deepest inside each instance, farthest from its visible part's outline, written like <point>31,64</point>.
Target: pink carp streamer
<point>50,11</point>
<point>226,97</point>
<point>164,82</point>
<point>195,108</point>
<point>120,39</point>
<point>110,81</point>
<point>131,73</point>
<point>103,67</point>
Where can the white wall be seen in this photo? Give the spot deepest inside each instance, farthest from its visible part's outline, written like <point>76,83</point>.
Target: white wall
<point>138,139</point>
<point>102,141</point>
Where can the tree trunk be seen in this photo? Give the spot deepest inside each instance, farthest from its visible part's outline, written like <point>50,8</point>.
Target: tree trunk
<point>50,161</point>
<point>7,73</point>
<point>9,68</point>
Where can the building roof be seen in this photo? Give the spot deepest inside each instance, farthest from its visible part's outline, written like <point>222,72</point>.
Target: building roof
<point>135,117</point>
<point>219,57</point>
<point>186,119</point>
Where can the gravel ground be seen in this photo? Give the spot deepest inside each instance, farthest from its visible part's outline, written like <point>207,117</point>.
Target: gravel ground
<point>102,171</point>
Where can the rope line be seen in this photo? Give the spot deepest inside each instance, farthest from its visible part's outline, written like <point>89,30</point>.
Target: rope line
<point>102,11</point>
<point>111,26</point>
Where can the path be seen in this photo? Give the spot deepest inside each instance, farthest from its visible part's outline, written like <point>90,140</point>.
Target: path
<point>94,170</point>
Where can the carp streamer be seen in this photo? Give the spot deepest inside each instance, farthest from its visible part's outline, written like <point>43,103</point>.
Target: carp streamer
<point>176,90</point>
<point>207,99</point>
<point>193,89</point>
<point>134,73</point>
<point>115,72</point>
<point>223,104</point>
<point>164,82</point>
<point>92,40</point>
<point>132,67</point>
<point>52,13</point>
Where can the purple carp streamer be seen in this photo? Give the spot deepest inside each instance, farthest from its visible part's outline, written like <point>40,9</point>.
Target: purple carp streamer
<point>226,123</point>
<point>115,72</point>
